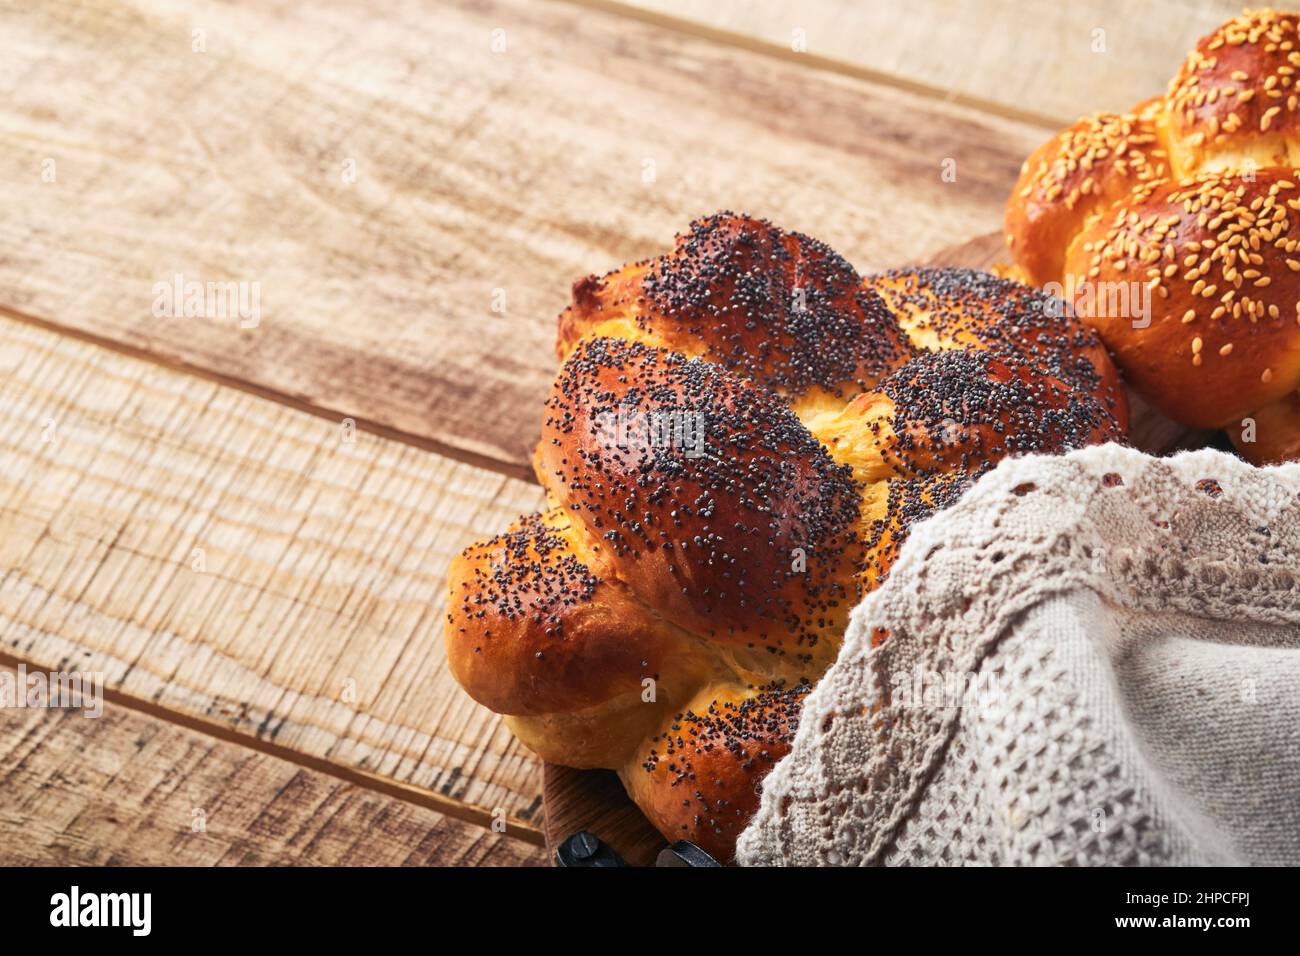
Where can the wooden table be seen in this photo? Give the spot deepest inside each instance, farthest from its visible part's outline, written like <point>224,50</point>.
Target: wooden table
<point>244,526</point>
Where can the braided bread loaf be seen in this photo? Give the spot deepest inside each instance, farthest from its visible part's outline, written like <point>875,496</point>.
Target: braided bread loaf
<point>1192,197</point>
<point>667,615</point>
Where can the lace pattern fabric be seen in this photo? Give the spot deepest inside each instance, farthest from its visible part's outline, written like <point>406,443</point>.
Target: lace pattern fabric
<point>1090,659</point>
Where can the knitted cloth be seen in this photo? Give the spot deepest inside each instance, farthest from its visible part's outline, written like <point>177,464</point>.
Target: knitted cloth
<point>1090,659</point>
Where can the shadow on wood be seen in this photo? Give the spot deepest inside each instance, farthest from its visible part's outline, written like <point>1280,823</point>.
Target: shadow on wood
<point>595,800</point>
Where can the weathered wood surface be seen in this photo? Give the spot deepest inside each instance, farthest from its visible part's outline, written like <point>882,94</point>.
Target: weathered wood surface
<point>385,178</point>
<point>125,789</point>
<point>410,189</point>
<point>247,565</point>
<point>1041,60</point>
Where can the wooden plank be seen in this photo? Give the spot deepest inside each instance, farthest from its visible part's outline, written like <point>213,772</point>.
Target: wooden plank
<point>1039,60</point>
<point>125,789</point>
<point>481,178</point>
<point>595,801</point>
<point>253,568</point>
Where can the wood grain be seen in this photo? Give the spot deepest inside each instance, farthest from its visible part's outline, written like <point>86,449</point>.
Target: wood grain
<point>124,789</point>
<point>1039,60</point>
<point>248,567</point>
<point>410,188</point>
<point>595,801</point>
<point>482,178</point>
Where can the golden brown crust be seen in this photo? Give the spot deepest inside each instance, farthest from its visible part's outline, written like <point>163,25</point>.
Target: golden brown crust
<point>1000,409</point>
<point>706,488</point>
<point>1269,435</point>
<point>776,307</point>
<point>1235,97</point>
<point>539,629</point>
<point>1079,172</point>
<point>721,498</point>
<point>1220,256</point>
<point>699,778</point>
<point>907,502</point>
<point>944,309</point>
<point>1214,347</point>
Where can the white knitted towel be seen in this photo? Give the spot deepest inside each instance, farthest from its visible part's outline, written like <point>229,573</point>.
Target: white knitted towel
<point>1090,659</point>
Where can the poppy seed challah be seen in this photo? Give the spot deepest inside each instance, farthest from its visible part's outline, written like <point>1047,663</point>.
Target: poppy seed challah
<point>740,436</point>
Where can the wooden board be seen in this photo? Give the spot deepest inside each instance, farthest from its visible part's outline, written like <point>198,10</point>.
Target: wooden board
<point>594,800</point>
<point>1041,60</point>
<point>249,570</point>
<point>122,789</point>
<point>385,176</point>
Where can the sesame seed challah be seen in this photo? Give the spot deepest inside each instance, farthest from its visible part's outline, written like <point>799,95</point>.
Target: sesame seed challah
<point>1192,196</point>
<point>668,613</point>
